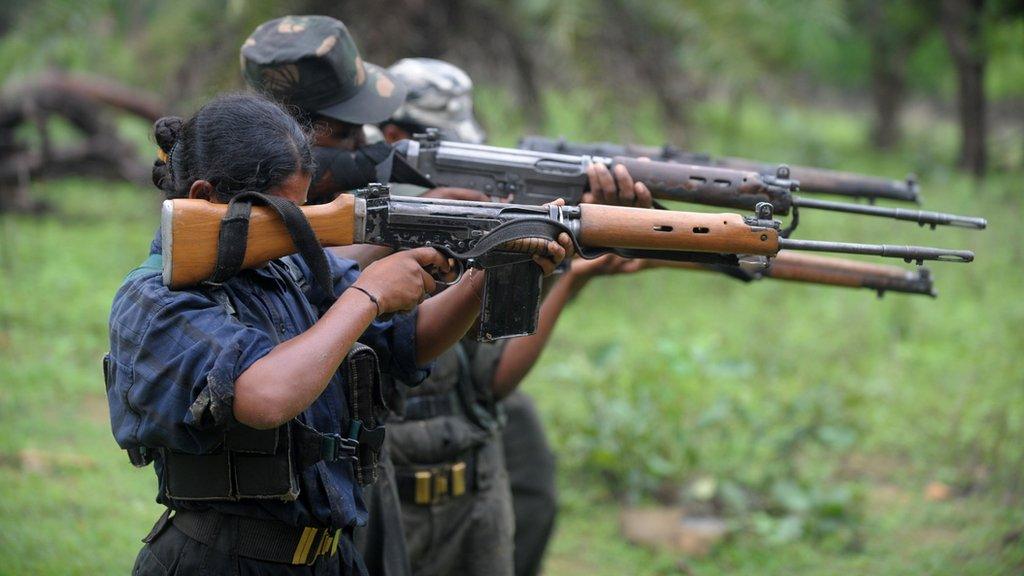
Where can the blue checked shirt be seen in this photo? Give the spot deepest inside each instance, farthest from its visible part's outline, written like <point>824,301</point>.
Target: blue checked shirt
<point>176,356</point>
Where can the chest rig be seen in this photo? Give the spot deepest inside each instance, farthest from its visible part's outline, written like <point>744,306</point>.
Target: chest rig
<point>266,464</point>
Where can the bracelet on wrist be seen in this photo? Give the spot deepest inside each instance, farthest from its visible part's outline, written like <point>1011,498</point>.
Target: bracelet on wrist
<point>372,298</point>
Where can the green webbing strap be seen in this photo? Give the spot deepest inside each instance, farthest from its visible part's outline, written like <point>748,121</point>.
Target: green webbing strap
<point>155,263</point>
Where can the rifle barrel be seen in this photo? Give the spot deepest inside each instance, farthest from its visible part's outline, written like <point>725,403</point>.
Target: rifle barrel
<point>907,253</point>
<point>922,217</point>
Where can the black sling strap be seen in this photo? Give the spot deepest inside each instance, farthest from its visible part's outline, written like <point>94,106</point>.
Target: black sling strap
<point>234,233</point>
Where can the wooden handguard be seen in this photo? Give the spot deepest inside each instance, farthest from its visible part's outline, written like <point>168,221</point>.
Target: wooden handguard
<point>190,231</point>
<point>798,267</point>
<point>834,271</point>
<point>700,184</point>
<point>617,227</point>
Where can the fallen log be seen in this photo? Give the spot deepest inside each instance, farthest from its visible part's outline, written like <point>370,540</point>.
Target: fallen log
<point>97,150</point>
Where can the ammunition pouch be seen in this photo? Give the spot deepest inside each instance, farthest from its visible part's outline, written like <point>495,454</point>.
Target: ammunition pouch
<point>266,463</point>
<point>253,463</point>
<point>367,410</point>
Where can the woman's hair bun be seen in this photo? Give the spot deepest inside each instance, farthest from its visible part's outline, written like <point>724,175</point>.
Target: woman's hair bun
<point>166,131</point>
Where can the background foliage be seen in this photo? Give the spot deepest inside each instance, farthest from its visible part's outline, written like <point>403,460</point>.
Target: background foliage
<point>814,419</point>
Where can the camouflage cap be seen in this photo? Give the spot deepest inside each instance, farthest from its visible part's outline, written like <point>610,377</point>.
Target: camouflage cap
<point>440,95</point>
<point>311,62</point>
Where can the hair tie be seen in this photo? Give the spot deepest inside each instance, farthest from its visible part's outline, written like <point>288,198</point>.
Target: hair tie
<point>170,155</point>
<point>162,155</point>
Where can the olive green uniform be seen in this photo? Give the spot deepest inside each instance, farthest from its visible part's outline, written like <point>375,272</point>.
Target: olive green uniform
<point>447,451</point>
<point>530,463</point>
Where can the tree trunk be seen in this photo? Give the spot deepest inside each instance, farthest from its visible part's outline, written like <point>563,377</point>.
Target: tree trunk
<point>889,51</point>
<point>961,26</point>
<point>972,105</point>
<point>888,91</point>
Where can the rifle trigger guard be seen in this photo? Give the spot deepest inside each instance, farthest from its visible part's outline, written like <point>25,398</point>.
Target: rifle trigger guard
<point>461,265</point>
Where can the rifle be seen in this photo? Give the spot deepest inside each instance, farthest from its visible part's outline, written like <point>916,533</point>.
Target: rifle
<point>812,269</point>
<point>529,177</point>
<point>496,237</point>
<point>818,180</point>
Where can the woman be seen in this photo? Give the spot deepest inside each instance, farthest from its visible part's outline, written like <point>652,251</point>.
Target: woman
<point>234,391</point>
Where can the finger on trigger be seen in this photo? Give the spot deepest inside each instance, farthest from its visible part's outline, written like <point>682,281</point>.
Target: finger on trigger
<point>429,284</point>
<point>425,256</point>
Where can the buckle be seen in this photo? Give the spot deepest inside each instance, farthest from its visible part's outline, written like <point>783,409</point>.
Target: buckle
<point>314,543</point>
<point>335,447</point>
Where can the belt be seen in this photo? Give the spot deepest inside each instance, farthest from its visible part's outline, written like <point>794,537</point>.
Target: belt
<point>424,486</point>
<point>427,406</point>
<point>267,540</point>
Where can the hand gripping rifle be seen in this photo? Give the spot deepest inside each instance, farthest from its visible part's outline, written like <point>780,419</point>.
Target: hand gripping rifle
<point>811,269</point>
<point>819,180</point>
<point>529,177</point>
<point>499,238</point>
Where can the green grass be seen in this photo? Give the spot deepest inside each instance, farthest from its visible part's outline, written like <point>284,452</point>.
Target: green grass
<point>923,390</point>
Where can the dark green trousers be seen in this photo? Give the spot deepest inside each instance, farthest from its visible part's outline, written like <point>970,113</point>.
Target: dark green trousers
<point>531,470</point>
<point>469,535</point>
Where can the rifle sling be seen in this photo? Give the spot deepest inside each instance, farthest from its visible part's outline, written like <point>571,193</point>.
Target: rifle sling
<point>234,233</point>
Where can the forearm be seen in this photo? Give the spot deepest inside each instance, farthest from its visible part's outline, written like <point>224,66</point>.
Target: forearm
<point>522,353</point>
<point>283,383</point>
<point>443,319</point>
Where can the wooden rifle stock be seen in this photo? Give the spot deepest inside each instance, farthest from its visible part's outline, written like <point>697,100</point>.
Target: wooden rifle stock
<point>190,230</point>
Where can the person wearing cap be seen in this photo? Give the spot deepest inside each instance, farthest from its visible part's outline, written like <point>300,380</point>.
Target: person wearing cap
<point>474,470</point>
<point>460,396</point>
<point>311,63</point>
<point>439,95</point>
